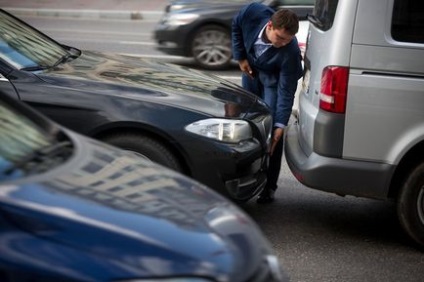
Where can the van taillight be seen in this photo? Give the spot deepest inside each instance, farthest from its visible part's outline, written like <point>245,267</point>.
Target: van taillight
<point>334,89</point>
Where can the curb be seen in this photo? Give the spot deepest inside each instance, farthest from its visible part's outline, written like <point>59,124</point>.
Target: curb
<point>86,14</point>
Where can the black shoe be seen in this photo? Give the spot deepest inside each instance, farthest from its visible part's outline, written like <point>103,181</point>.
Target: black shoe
<point>266,196</point>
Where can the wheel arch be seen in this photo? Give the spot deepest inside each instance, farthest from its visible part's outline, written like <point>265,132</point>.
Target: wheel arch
<point>410,160</point>
<point>152,132</point>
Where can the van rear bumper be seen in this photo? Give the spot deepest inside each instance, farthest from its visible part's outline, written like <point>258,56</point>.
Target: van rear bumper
<point>335,175</point>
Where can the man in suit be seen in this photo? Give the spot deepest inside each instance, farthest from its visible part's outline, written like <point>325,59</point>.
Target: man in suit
<point>265,46</point>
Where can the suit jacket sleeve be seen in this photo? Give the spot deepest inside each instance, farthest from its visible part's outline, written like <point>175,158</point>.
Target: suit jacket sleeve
<point>291,71</point>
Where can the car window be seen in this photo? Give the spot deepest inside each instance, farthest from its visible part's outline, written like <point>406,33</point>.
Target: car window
<point>19,139</point>
<point>323,13</point>
<point>408,21</point>
<point>24,47</point>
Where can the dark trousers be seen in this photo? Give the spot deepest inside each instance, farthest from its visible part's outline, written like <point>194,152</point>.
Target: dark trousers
<point>275,166</point>
<point>268,95</point>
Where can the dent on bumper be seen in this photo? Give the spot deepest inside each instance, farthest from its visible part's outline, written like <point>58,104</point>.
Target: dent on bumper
<point>340,176</point>
<point>235,174</point>
<point>245,187</point>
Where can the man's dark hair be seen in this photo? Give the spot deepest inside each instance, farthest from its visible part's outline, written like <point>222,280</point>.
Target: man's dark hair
<point>286,19</point>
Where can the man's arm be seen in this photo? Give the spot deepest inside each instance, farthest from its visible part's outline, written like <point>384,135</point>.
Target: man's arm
<point>290,73</point>
<point>287,85</point>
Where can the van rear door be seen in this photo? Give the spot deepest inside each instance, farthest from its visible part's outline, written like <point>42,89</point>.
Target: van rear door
<point>327,53</point>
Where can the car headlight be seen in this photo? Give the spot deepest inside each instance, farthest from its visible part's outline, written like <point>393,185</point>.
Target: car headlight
<point>180,19</point>
<point>225,130</point>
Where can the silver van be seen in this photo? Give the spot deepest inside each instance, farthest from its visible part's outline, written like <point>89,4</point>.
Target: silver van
<point>360,128</point>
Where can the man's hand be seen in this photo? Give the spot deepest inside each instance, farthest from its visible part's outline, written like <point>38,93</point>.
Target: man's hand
<point>276,137</point>
<point>245,67</point>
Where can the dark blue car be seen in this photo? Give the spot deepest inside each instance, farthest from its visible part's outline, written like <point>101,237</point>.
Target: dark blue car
<point>74,209</point>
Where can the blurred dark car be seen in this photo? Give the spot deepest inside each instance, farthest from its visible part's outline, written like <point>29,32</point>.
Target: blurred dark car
<point>75,209</point>
<point>202,28</point>
<point>202,126</point>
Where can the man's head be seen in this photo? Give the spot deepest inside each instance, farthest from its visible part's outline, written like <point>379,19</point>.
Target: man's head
<point>282,27</point>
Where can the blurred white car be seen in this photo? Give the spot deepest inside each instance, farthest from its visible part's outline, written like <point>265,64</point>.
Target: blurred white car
<point>301,38</point>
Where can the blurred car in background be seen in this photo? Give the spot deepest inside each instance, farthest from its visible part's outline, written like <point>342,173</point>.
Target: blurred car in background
<point>202,28</point>
<point>203,126</point>
<point>75,209</point>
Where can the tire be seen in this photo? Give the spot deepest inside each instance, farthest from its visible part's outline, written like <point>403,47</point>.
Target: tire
<point>146,147</point>
<point>410,205</point>
<point>211,47</point>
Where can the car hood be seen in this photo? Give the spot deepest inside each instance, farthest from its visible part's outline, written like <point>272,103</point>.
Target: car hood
<point>136,78</point>
<point>136,216</point>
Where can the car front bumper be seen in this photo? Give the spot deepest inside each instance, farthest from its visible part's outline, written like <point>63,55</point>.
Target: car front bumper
<point>237,171</point>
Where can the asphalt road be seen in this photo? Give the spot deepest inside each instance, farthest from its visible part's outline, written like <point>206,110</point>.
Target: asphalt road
<point>318,236</point>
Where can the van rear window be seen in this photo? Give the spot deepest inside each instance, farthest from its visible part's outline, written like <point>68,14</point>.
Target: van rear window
<point>323,14</point>
<point>408,21</point>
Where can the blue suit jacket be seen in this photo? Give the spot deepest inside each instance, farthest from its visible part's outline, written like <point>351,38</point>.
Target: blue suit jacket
<point>276,72</point>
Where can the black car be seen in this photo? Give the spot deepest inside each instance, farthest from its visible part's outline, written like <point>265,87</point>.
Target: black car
<point>202,28</point>
<point>202,126</point>
<point>75,209</point>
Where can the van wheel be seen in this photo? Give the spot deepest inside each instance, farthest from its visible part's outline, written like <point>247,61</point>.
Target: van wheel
<point>410,205</point>
<point>211,47</point>
<point>146,147</point>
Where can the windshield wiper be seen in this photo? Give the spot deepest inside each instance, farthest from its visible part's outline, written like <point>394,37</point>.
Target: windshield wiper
<point>35,68</point>
<point>42,159</point>
<point>63,59</point>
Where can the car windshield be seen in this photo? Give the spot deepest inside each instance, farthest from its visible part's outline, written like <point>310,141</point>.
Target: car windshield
<point>20,141</point>
<point>24,47</point>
